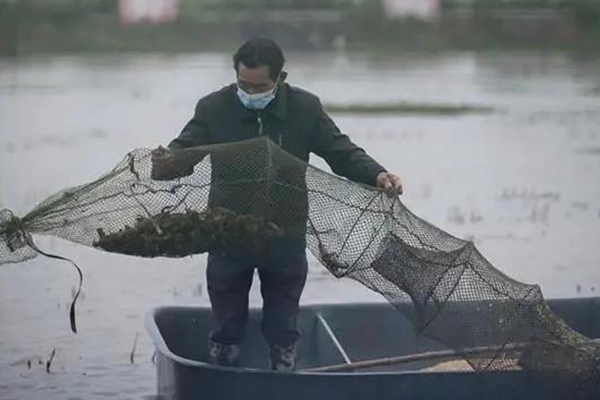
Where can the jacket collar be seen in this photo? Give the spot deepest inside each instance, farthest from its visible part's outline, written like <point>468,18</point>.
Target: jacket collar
<point>278,107</point>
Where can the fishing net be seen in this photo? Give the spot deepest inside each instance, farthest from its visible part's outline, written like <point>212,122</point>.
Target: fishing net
<point>256,196</point>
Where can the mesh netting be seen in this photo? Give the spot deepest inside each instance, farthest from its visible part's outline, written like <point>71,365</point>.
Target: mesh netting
<point>255,195</point>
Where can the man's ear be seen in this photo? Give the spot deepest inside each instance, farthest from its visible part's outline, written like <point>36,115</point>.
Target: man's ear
<point>283,76</point>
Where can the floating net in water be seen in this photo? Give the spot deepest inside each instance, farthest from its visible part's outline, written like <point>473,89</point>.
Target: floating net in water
<point>256,196</point>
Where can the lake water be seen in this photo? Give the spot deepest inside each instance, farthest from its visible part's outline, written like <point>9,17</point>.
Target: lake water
<point>522,182</point>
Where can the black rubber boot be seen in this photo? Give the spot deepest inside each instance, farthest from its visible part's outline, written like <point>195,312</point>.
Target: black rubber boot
<point>283,359</point>
<point>227,355</point>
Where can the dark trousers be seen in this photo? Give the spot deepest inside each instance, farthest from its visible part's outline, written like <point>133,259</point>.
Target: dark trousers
<point>282,277</point>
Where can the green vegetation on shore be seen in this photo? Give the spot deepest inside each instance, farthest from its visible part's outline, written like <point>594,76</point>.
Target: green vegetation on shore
<point>409,108</point>
<point>42,26</point>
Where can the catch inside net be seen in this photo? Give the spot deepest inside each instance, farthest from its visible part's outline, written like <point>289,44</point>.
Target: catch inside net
<point>255,196</point>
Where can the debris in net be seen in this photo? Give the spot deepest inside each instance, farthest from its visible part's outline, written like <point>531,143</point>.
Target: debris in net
<point>49,362</point>
<point>186,233</point>
<point>545,358</point>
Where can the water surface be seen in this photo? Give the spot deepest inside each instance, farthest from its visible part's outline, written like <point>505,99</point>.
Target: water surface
<point>522,182</point>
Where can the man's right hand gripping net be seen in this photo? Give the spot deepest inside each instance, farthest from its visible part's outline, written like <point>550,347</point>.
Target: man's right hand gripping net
<point>256,196</point>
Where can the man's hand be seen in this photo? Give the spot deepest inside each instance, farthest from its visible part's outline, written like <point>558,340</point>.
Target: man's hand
<point>161,156</point>
<point>389,182</point>
<point>166,166</point>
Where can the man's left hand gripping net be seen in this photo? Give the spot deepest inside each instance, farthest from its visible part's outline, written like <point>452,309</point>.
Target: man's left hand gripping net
<point>256,196</point>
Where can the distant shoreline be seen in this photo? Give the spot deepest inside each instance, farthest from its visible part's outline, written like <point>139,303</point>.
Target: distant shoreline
<point>93,26</point>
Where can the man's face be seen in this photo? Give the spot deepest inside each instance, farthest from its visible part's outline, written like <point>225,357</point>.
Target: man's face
<point>254,80</point>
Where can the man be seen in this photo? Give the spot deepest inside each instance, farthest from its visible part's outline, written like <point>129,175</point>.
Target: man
<point>262,104</point>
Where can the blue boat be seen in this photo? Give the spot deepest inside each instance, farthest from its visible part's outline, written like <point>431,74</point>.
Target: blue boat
<point>338,334</point>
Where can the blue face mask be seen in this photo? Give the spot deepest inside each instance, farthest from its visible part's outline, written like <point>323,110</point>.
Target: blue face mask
<point>257,101</point>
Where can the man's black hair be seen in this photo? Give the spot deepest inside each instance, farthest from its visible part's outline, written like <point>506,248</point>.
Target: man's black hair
<point>260,51</point>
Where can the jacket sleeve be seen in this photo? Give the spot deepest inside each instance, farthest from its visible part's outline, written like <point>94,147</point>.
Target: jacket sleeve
<point>343,156</point>
<point>194,133</point>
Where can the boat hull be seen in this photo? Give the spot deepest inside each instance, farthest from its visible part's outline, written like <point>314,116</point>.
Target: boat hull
<point>365,331</point>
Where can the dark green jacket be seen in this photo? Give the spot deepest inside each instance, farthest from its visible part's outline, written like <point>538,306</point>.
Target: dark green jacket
<point>295,120</point>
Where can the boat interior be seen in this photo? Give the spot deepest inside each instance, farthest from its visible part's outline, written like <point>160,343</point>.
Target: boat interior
<point>339,334</point>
